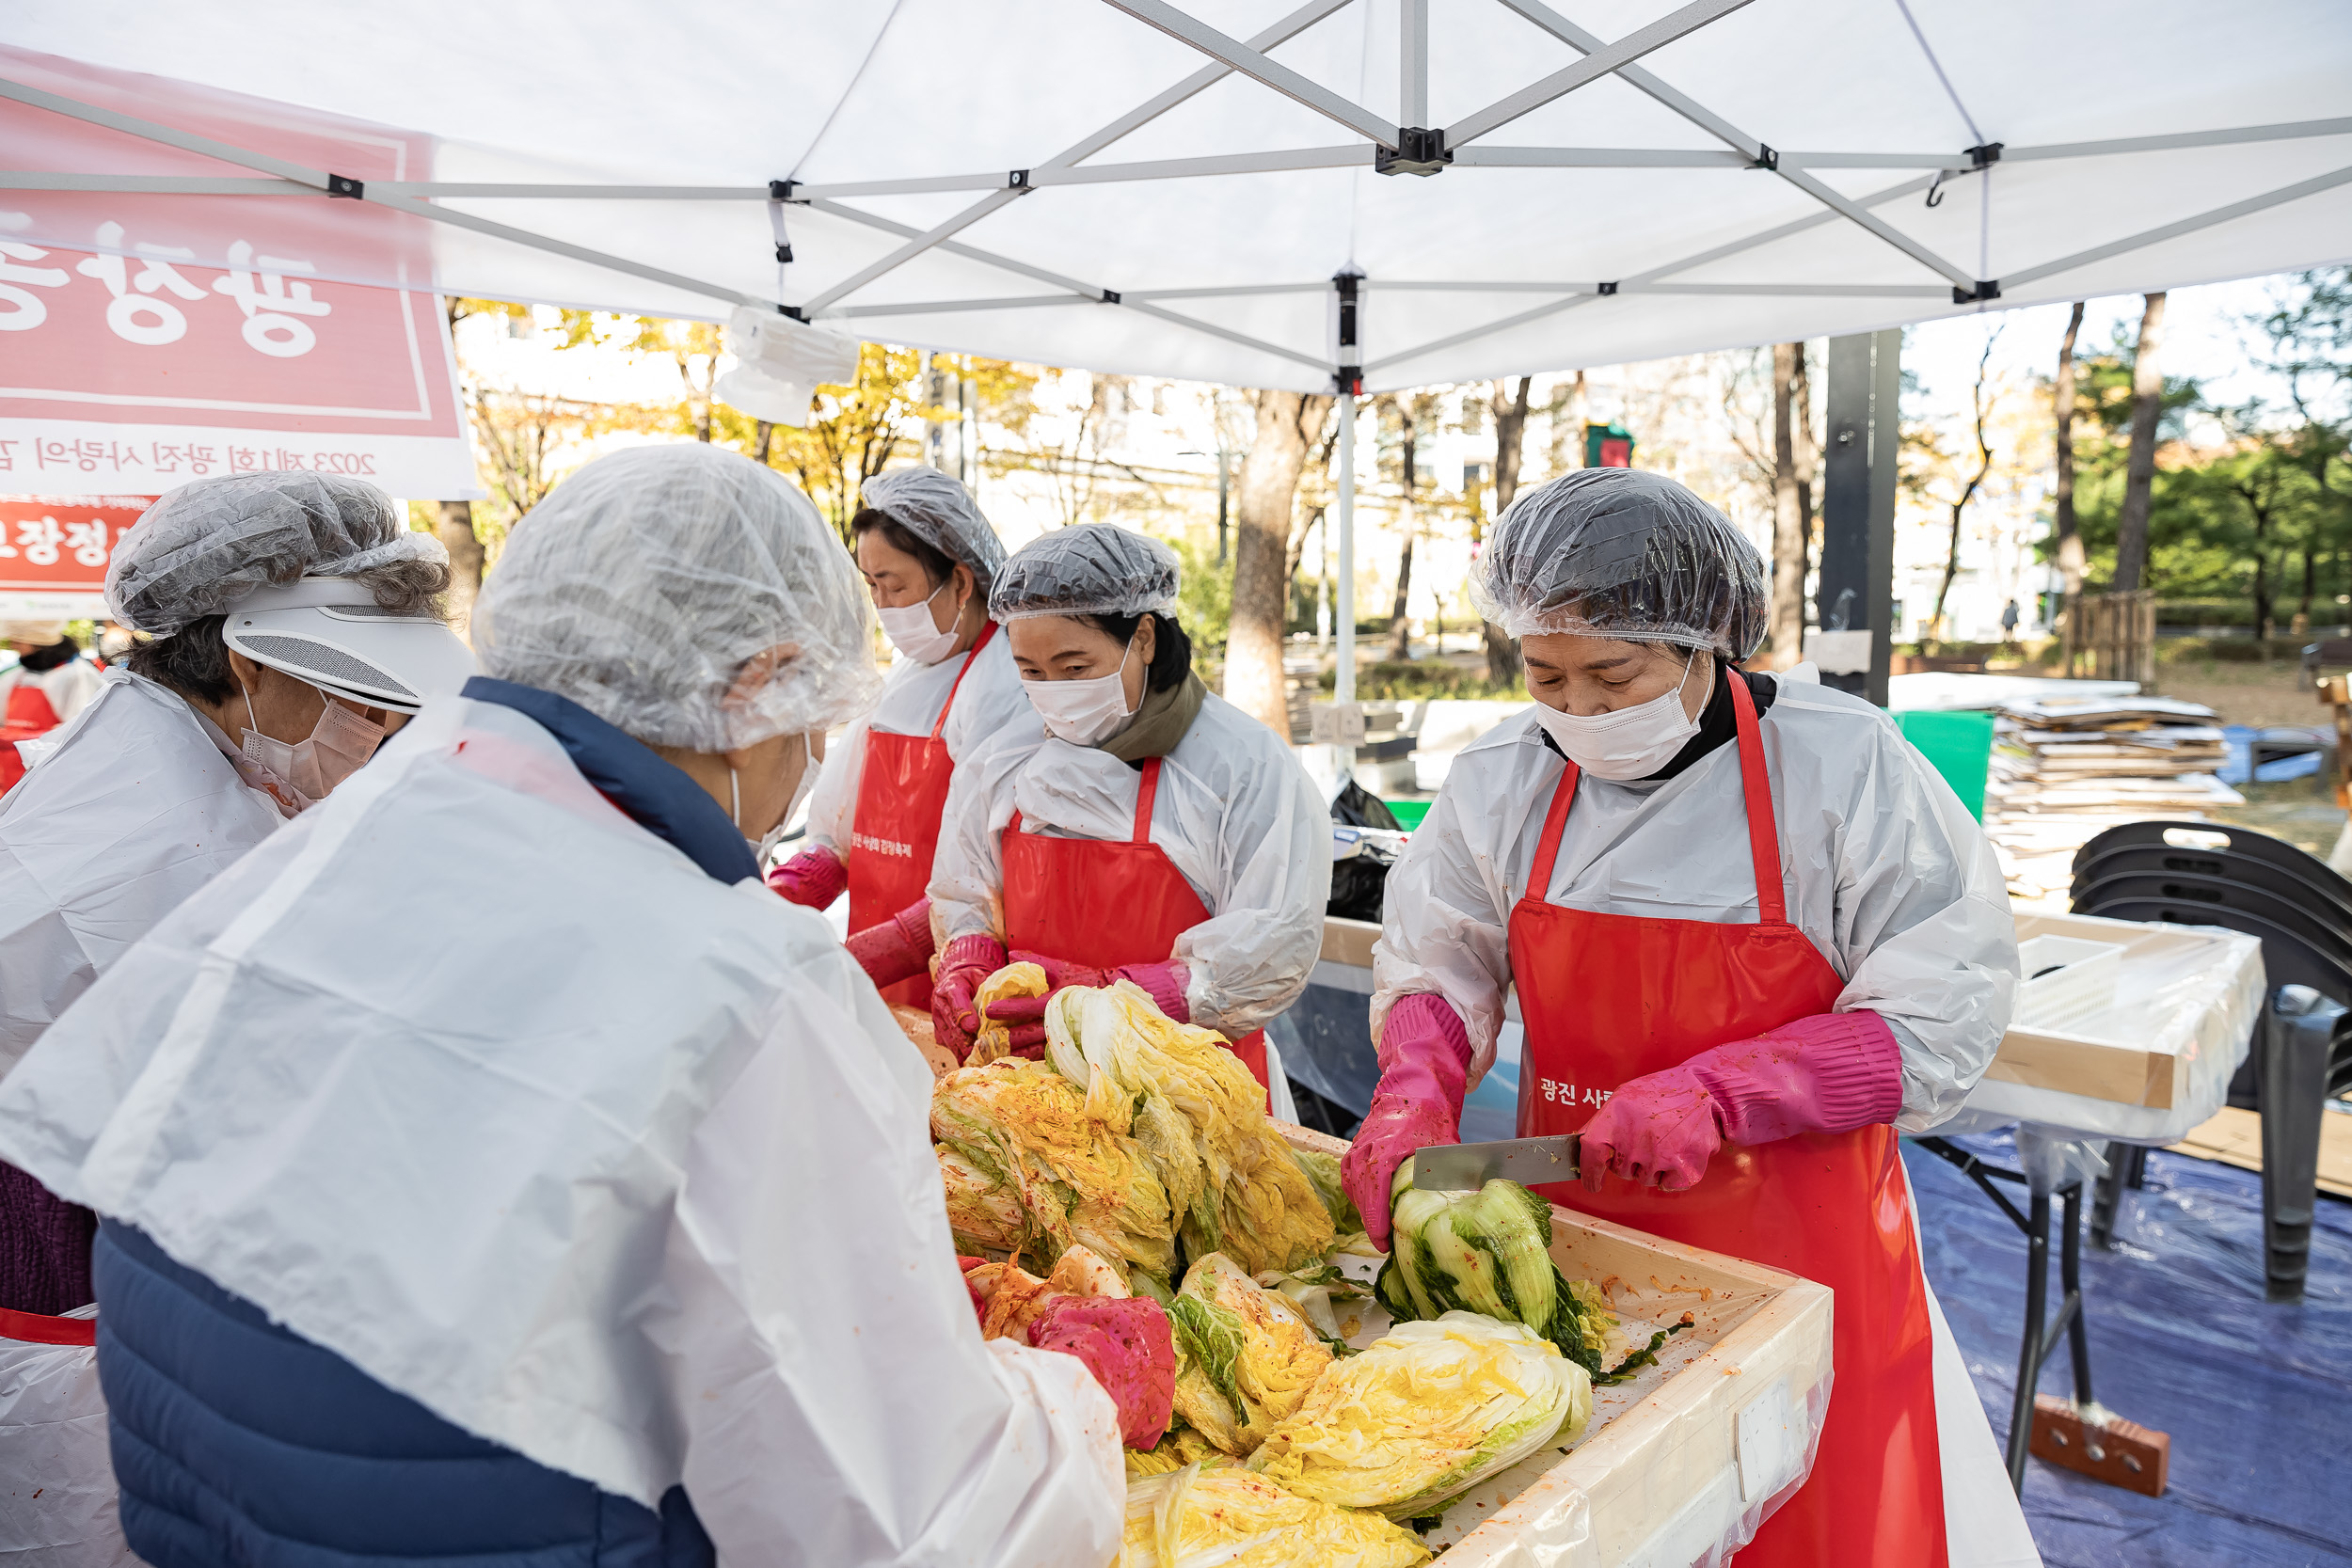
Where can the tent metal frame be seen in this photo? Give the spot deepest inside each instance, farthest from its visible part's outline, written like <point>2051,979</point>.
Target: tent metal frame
<point>1414,148</point>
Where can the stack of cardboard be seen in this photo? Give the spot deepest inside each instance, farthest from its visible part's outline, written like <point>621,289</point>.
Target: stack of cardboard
<point>2067,769</point>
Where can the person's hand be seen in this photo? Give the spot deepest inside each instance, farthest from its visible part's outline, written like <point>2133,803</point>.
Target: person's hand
<point>1829,1072</point>
<point>1165,981</point>
<point>1425,1062</point>
<point>812,878</point>
<point>964,964</point>
<point>1658,1130</point>
<point>1126,1343</point>
<point>896,949</point>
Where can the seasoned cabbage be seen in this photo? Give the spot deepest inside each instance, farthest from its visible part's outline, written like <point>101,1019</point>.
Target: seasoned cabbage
<point>1425,1413</point>
<point>1231,1182</point>
<point>1199,1517</point>
<point>1028,1173</point>
<point>1013,980</point>
<point>1488,1252</point>
<point>1244,1356</point>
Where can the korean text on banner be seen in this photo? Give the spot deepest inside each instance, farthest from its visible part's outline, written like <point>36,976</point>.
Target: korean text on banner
<point>54,551</point>
<point>146,341</point>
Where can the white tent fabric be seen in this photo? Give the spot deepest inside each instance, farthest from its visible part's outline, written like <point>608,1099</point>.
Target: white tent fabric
<point>1170,187</point>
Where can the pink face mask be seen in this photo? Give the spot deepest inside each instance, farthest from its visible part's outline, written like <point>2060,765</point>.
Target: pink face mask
<point>307,770</point>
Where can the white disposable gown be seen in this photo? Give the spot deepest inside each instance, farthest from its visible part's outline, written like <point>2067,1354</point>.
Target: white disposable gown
<point>624,1168</point>
<point>1884,870</point>
<point>989,704</point>
<point>137,804</point>
<point>1236,814</point>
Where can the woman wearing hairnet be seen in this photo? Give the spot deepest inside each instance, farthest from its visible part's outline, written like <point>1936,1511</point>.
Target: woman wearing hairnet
<point>1753,934</point>
<point>929,559</point>
<point>1153,832</point>
<point>48,683</point>
<point>293,623</point>
<point>493,1169</point>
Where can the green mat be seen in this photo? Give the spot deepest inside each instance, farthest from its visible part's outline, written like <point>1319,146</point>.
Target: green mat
<point>1958,745</point>
<point>1408,813</point>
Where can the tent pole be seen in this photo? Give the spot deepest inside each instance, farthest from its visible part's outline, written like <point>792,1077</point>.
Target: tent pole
<point>1343,680</point>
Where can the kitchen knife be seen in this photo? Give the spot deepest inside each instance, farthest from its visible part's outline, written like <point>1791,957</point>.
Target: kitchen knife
<point>1466,1167</point>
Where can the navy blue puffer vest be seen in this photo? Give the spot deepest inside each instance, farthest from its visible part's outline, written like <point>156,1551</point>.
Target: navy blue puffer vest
<point>239,1445</point>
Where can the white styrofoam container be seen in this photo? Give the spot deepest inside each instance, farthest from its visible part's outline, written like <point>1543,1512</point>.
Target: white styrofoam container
<point>2079,987</point>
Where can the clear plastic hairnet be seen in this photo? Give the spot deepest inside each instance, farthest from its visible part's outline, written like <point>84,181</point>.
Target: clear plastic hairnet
<point>940,512</point>
<point>1090,569</point>
<point>643,583</point>
<point>1617,552</point>
<point>207,544</point>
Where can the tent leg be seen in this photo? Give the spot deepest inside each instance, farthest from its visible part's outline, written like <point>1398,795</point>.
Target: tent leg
<point>1343,680</point>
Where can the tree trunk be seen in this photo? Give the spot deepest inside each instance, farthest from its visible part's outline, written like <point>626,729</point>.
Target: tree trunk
<point>2066,533</point>
<point>1287,421</point>
<point>1400,627</point>
<point>760,454</point>
<point>1791,529</point>
<point>1502,653</point>
<point>1808,449</point>
<point>2303,615</point>
<point>466,556</point>
<point>2139,474</point>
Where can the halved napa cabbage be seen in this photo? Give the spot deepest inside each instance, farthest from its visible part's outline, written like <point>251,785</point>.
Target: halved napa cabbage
<point>1244,1356</point>
<point>1199,1517</point>
<point>1028,1172</point>
<point>1232,1182</point>
<point>1488,1252</point>
<point>1425,1413</point>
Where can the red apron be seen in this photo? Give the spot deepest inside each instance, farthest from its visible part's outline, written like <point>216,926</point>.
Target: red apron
<point>895,830</point>
<point>1610,997</point>
<point>1104,902</point>
<point>28,714</point>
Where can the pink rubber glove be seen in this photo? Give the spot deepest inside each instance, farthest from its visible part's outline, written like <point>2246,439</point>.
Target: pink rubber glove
<point>896,949</point>
<point>1165,981</point>
<point>966,962</point>
<point>1831,1073</point>
<point>1424,1062</point>
<point>1126,1343</point>
<point>813,878</point>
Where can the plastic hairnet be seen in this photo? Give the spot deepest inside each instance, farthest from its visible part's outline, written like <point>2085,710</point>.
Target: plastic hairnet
<point>1617,552</point>
<point>207,544</point>
<point>644,583</point>
<point>938,510</point>
<point>1090,569</point>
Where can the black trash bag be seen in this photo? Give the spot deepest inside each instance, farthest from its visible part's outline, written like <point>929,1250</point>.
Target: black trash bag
<point>1357,883</point>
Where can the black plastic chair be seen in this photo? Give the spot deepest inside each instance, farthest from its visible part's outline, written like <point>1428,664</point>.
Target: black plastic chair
<point>2302,1045</point>
<point>2333,893</point>
<point>2241,841</point>
<point>2316,926</point>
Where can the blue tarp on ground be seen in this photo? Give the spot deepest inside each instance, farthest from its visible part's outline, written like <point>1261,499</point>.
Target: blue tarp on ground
<point>2258,1397</point>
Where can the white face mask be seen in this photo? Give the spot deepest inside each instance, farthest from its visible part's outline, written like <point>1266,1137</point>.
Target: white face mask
<point>800,793</point>
<point>1084,712</point>
<point>306,770</point>
<point>913,633</point>
<point>1633,742</point>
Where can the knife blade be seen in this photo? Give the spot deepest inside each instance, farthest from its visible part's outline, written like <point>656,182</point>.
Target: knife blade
<point>1466,1167</point>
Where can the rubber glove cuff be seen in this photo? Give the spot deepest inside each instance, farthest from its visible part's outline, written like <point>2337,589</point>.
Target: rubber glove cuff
<point>896,949</point>
<point>812,878</point>
<point>1830,1072</point>
<point>1126,1343</point>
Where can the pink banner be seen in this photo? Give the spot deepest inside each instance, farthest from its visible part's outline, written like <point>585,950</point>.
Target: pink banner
<point>146,340</point>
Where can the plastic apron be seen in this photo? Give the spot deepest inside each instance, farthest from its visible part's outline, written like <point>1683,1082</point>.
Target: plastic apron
<point>1103,902</point>
<point>1610,997</point>
<point>28,714</point>
<point>895,830</point>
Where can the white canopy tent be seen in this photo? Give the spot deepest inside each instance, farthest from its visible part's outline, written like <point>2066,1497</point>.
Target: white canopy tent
<point>1192,190</point>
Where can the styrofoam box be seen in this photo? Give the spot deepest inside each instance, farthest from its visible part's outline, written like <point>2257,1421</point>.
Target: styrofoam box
<point>2081,984</point>
<point>1677,1463</point>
